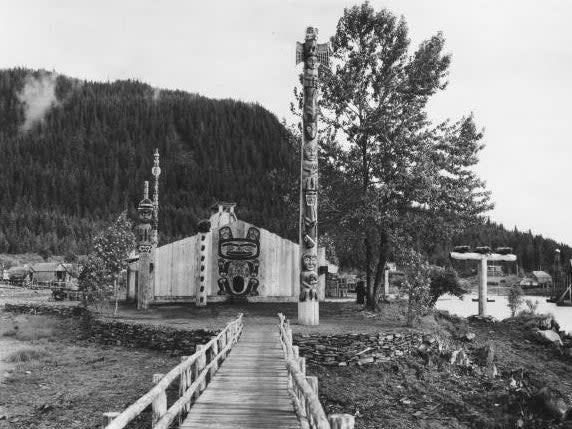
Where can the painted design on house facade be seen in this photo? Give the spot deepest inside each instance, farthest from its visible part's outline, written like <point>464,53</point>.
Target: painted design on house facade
<point>238,262</point>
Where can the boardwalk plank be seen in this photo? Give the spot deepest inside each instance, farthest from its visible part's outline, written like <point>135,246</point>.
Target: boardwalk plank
<point>250,390</point>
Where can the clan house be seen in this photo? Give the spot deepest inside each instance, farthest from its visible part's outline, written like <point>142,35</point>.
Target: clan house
<point>231,259</point>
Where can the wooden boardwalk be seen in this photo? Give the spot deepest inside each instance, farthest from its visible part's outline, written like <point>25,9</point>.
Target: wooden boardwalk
<point>250,390</point>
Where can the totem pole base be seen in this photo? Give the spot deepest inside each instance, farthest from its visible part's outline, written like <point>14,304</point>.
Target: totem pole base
<point>309,313</point>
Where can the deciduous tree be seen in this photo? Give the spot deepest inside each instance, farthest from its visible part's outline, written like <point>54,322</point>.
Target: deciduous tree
<point>388,172</point>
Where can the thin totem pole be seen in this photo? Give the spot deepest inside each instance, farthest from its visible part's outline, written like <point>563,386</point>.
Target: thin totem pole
<point>156,172</point>
<point>144,235</point>
<point>312,54</point>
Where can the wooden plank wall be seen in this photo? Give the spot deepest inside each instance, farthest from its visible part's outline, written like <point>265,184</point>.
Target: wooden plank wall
<point>176,268</point>
<point>177,265</point>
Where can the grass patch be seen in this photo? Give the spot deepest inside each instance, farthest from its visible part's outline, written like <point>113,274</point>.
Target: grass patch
<point>30,328</point>
<point>26,355</point>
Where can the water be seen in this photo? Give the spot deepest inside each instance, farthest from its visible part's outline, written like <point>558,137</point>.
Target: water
<point>499,309</point>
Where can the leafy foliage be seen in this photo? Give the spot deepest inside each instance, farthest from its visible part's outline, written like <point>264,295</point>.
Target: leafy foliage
<point>416,284</point>
<point>390,175</point>
<point>514,298</point>
<point>104,264</point>
<point>443,281</point>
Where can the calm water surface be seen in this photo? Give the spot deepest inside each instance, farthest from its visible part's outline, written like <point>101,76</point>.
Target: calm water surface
<point>499,309</point>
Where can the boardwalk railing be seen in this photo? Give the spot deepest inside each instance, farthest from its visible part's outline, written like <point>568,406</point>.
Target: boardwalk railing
<point>305,388</point>
<point>193,373</point>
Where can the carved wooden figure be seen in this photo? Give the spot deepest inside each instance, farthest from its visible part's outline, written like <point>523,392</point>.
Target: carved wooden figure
<point>312,54</point>
<point>144,234</point>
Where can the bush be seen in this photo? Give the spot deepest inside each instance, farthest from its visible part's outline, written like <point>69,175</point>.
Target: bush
<point>515,294</point>
<point>443,281</point>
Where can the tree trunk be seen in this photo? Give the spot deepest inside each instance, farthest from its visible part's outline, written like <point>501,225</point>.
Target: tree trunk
<point>370,290</point>
<point>381,261</point>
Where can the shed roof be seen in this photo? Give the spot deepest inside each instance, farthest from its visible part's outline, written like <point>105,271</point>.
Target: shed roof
<point>542,275</point>
<point>47,266</point>
<point>18,270</point>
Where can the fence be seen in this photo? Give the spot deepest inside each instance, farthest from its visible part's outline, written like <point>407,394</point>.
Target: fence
<point>193,373</point>
<point>305,388</point>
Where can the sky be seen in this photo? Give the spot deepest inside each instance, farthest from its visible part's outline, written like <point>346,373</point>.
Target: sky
<point>511,67</point>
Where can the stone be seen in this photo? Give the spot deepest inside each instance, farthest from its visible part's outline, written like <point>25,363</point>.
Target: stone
<point>429,339</point>
<point>470,336</point>
<point>491,371</point>
<point>365,360</point>
<point>549,402</point>
<point>459,357</point>
<point>389,337</point>
<point>548,337</point>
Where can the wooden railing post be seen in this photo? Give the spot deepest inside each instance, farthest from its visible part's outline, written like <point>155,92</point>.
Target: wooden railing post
<point>295,353</point>
<point>201,363</point>
<point>223,346</point>
<point>184,383</point>
<point>159,403</point>
<point>341,421</point>
<point>302,365</point>
<point>214,352</point>
<point>108,417</point>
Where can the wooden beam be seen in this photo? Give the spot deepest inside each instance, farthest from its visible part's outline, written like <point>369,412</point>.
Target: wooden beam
<point>472,256</point>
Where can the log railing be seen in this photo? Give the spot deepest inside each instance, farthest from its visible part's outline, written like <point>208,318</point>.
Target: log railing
<point>305,388</point>
<point>194,372</point>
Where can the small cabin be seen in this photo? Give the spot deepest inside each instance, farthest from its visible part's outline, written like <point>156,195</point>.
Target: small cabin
<point>20,276</point>
<point>543,278</point>
<point>47,273</point>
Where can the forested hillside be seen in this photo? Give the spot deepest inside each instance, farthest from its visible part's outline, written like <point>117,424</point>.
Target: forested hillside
<point>75,154</point>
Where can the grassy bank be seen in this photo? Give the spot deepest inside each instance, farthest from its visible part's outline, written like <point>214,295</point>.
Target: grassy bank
<point>55,379</point>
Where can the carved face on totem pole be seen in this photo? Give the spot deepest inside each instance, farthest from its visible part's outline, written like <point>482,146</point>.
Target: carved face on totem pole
<point>310,152</point>
<point>144,230</point>
<point>309,262</point>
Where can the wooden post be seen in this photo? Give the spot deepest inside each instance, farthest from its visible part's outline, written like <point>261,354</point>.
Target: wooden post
<point>223,345</point>
<point>295,353</point>
<point>184,382</point>
<point>313,382</point>
<point>386,282</point>
<point>159,405</point>
<point>201,363</point>
<point>483,259</point>
<point>109,417</point>
<point>214,353</point>
<point>341,421</point>
<point>311,54</point>
<point>483,278</point>
<point>302,365</point>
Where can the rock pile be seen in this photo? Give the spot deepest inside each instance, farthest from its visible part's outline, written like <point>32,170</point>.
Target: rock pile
<point>156,337</point>
<point>363,349</point>
<point>63,311</point>
<point>175,341</point>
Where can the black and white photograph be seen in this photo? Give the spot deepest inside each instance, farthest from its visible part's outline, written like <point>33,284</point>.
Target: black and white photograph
<point>296,214</point>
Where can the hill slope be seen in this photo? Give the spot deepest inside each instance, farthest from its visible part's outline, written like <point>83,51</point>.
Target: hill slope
<point>76,153</point>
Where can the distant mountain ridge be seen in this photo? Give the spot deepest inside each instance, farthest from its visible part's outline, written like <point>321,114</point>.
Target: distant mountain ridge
<point>76,153</point>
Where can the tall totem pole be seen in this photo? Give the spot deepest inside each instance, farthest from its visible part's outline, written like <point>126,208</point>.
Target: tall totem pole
<point>156,172</point>
<point>144,235</point>
<point>312,54</point>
